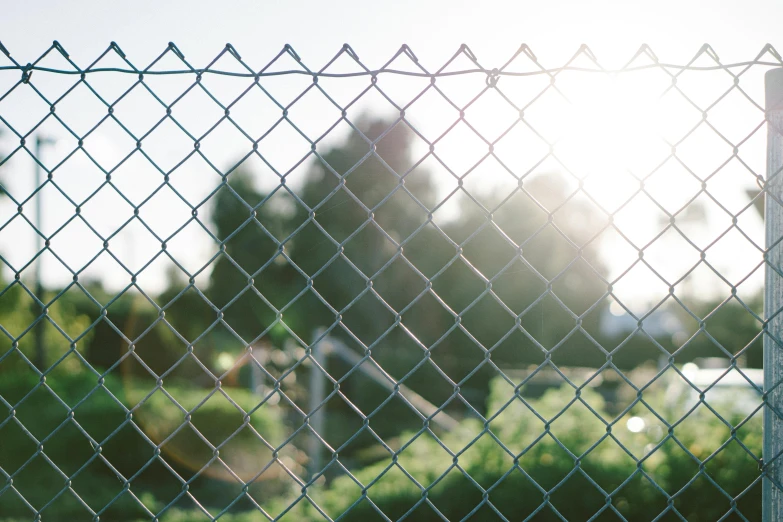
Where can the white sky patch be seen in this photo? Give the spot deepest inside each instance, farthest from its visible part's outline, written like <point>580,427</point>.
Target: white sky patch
<point>614,134</point>
<point>614,131</point>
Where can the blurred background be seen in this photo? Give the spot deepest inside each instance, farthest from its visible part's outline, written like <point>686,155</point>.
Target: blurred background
<point>565,263</point>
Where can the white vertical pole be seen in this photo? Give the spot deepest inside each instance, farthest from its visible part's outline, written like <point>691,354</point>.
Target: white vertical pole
<point>39,357</point>
<point>317,395</point>
<point>773,300</point>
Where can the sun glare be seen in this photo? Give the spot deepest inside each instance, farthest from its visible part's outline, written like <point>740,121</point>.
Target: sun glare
<point>637,147</point>
<point>609,138</point>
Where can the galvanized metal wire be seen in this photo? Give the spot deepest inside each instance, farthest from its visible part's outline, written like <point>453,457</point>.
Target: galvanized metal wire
<point>583,62</point>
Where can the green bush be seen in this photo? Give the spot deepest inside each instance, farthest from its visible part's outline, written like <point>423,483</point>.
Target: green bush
<point>554,454</point>
<point>66,449</point>
<point>549,477</point>
<point>129,447</point>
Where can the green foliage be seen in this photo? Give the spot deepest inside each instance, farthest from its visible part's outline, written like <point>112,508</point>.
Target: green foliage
<point>344,235</point>
<point>550,466</point>
<point>47,419</point>
<point>733,326</point>
<point>128,446</point>
<point>551,471</point>
<point>244,446</point>
<point>66,328</point>
<point>362,223</point>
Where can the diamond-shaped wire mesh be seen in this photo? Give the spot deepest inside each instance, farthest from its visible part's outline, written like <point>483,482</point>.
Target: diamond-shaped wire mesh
<point>354,293</point>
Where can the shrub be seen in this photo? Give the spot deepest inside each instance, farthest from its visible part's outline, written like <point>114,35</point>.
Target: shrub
<point>551,475</point>
<point>129,447</point>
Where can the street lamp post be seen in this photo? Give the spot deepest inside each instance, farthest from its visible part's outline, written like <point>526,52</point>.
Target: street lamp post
<point>40,358</point>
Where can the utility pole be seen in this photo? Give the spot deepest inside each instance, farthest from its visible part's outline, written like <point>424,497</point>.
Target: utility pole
<point>40,357</point>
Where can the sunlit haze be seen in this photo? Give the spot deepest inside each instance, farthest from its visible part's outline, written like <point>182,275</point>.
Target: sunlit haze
<point>613,134</point>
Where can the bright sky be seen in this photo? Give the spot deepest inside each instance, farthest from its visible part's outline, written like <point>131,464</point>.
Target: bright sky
<point>434,30</point>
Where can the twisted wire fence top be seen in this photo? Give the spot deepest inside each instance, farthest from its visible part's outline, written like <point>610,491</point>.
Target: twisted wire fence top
<point>375,314</point>
<point>767,56</point>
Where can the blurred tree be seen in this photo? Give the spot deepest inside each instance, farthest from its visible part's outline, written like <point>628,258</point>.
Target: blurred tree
<point>731,326</point>
<point>355,246</point>
<point>730,329</point>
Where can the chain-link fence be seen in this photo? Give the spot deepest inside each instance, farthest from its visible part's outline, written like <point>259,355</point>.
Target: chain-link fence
<point>395,293</point>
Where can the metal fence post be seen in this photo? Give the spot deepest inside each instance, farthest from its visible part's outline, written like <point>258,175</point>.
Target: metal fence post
<point>317,395</point>
<point>773,300</point>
